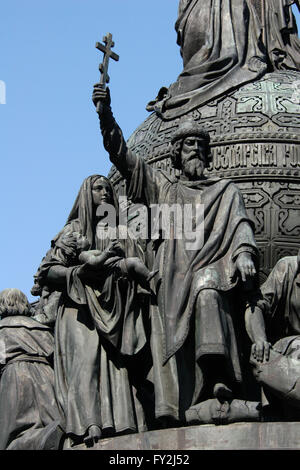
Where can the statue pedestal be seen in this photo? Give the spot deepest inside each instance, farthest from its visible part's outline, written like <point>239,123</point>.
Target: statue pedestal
<point>237,436</point>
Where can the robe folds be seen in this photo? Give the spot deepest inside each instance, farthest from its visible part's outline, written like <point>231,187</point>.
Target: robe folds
<point>99,332</point>
<point>221,47</point>
<point>225,44</point>
<point>227,231</point>
<point>282,35</point>
<point>28,406</point>
<point>192,319</point>
<point>279,299</point>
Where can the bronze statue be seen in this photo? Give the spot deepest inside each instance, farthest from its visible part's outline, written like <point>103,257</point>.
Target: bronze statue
<point>99,326</point>
<point>273,324</point>
<point>29,416</point>
<point>227,43</point>
<point>192,319</point>
<point>134,351</point>
<point>281,35</point>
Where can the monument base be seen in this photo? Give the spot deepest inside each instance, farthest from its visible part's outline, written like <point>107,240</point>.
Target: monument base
<point>237,436</point>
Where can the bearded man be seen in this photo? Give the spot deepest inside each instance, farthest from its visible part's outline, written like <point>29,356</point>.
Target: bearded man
<point>193,341</point>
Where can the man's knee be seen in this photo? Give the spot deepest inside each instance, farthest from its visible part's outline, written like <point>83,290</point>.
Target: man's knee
<point>208,295</point>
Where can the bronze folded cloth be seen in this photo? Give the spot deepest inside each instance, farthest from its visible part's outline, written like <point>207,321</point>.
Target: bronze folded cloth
<point>25,358</point>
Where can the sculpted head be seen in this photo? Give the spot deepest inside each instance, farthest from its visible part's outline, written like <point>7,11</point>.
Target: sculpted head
<point>101,191</point>
<point>13,302</point>
<point>191,151</point>
<point>72,244</point>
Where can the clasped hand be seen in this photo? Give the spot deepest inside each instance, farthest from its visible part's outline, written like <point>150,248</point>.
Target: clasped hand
<point>101,95</point>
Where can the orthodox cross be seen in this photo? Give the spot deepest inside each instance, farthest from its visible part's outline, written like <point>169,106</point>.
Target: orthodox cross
<point>108,53</point>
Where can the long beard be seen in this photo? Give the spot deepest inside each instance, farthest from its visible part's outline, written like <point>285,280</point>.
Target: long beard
<point>193,168</point>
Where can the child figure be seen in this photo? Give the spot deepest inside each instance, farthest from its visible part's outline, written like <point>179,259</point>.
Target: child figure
<point>73,248</point>
<point>113,259</point>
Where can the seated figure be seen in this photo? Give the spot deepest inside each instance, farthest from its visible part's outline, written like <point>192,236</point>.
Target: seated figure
<point>29,417</point>
<point>273,324</point>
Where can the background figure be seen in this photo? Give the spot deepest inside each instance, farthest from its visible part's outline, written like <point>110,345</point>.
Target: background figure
<point>273,317</point>
<point>99,331</point>
<point>74,250</point>
<point>281,35</point>
<point>221,46</point>
<point>29,417</point>
<point>225,44</point>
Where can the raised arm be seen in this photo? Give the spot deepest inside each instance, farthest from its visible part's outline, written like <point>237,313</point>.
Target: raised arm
<point>113,140</point>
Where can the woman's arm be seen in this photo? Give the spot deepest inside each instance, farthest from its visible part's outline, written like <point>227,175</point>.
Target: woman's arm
<point>57,275</point>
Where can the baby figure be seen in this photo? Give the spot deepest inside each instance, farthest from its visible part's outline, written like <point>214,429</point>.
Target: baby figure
<point>73,248</point>
<point>113,259</point>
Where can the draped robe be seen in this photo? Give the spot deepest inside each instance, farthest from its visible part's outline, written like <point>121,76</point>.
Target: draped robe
<point>98,333</point>
<point>185,272</point>
<point>279,300</point>
<point>27,400</point>
<point>282,35</point>
<point>224,45</point>
<point>221,47</point>
<point>182,335</point>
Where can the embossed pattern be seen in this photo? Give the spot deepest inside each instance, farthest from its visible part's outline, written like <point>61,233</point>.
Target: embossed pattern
<point>255,134</point>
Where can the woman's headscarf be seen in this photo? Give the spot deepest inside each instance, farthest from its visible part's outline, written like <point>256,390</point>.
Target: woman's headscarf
<point>83,207</point>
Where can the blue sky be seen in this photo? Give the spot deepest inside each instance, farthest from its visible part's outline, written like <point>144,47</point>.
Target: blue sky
<point>50,139</point>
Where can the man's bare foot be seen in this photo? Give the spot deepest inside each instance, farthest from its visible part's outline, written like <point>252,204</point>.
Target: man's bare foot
<point>93,435</point>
